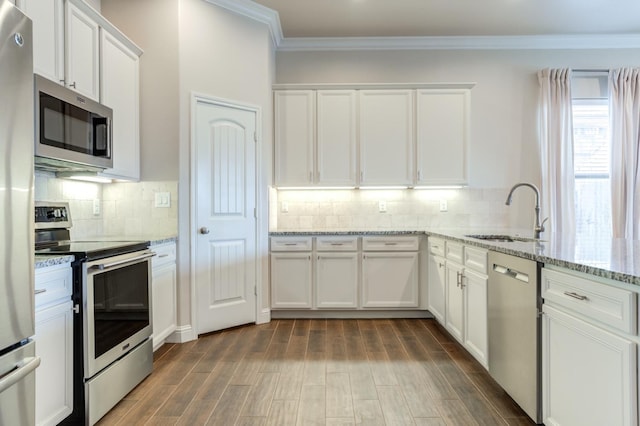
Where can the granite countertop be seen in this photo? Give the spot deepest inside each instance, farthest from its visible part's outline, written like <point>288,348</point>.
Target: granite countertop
<point>154,240</point>
<point>44,261</point>
<point>339,232</point>
<point>616,259</point>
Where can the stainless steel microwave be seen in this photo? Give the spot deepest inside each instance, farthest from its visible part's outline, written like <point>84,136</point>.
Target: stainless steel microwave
<point>72,131</point>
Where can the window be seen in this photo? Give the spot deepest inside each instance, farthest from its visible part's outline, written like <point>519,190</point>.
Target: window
<point>591,164</point>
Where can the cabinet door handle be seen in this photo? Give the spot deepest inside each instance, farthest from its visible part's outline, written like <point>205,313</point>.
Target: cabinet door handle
<point>163,255</point>
<point>40,291</point>
<point>310,176</point>
<point>73,85</point>
<point>575,295</point>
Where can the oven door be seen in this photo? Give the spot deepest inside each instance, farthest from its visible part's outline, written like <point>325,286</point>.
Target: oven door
<point>117,307</point>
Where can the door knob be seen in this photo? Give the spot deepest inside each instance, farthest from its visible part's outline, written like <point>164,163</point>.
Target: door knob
<point>204,230</point>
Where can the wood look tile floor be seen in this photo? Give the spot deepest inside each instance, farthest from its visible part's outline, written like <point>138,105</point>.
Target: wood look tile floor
<point>319,372</point>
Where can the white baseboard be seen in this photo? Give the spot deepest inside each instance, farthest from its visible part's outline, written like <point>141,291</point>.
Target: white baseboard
<point>183,334</point>
<point>264,316</point>
<point>346,314</point>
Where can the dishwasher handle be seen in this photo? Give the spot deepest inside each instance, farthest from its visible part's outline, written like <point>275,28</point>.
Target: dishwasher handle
<point>503,270</point>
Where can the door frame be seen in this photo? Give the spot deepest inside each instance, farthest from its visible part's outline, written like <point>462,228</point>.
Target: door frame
<point>199,98</point>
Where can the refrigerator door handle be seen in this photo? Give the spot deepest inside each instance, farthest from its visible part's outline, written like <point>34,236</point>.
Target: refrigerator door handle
<point>22,370</point>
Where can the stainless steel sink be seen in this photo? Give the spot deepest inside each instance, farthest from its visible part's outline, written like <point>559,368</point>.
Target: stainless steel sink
<point>503,238</point>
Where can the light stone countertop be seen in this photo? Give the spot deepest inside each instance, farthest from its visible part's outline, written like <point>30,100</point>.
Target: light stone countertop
<point>44,261</point>
<point>616,259</point>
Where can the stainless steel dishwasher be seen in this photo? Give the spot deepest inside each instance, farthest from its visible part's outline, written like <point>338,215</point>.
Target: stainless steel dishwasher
<point>515,331</point>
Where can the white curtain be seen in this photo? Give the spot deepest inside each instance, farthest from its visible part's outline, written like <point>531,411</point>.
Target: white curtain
<point>624,98</point>
<point>555,137</point>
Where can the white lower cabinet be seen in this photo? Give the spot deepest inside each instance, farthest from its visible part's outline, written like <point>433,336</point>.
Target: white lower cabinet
<point>54,344</point>
<point>291,278</point>
<point>336,280</point>
<point>455,316</point>
<point>333,272</point>
<point>475,322</point>
<point>589,351</point>
<point>163,293</point>
<point>589,374</point>
<point>390,280</point>
<point>458,293</point>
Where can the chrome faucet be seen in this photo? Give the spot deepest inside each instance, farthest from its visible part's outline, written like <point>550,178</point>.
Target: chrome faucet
<point>538,228</point>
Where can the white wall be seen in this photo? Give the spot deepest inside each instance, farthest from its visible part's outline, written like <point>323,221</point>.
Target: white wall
<point>503,147</point>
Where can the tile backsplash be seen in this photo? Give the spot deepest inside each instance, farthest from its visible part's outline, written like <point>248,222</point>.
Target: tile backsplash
<point>125,209</point>
<point>305,210</point>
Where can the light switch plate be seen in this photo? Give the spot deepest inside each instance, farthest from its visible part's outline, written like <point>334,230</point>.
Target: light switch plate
<point>163,199</point>
<point>382,206</point>
<point>96,207</point>
<point>443,205</point>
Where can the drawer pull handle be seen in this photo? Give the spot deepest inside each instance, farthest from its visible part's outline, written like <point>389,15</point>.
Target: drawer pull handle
<point>290,244</point>
<point>390,244</point>
<point>40,291</point>
<point>163,255</point>
<point>337,244</point>
<point>576,295</point>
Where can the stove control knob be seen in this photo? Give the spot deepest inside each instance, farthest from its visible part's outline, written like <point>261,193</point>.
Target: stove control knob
<point>204,230</point>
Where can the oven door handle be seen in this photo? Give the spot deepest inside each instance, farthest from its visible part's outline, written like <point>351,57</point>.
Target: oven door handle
<point>104,266</point>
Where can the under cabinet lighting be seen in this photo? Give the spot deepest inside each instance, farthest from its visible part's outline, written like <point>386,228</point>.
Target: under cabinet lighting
<point>306,188</point>
<point>440,187</point>
<point>83,176</point>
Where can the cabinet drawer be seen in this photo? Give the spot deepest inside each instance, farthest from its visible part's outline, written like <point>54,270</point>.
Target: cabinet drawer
<point>436,246</point>
<point>599,302</point>
<point>475,259</point>
<point>453,251</point>
<point>390,243</point>
<point>337,243</point>
<point>291,243</point>
<point>165,253</point>
<point>52,283</point>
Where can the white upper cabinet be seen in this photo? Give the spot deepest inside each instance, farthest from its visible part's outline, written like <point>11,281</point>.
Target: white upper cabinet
<point>83,53</point>
<point>48,36</point>
<point>386,137</point>
<point>442,134</point>
<point>294,137</point>
<point>119,91</point>
<point>336,138</point>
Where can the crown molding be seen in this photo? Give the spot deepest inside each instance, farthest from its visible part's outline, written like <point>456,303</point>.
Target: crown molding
<point>613,41</point>
<point>256,12</point>
<point>271,18</point>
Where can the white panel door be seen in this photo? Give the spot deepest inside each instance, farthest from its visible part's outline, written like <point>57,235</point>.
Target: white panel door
<point>291,280</point>
<point>442,133</point>
<point>475,318</point>
<point>386,137</point>
<point>336,138</point>
<point>390,280</point>
<point>225,225</point>
<point>295,117</point>
<point>589,375</point>
<point>120,92</point>
<point>48,36</point>
<point>82,41</point>
<point>336,280</point>
<point>436,287</point>
<point>454,316</point>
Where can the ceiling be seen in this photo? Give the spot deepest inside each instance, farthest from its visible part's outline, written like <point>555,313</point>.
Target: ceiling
<point>440,18</point>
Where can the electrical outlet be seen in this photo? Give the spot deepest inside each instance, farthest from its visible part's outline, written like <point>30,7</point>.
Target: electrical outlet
<point>162,199</point>
<point>96,207</point>
<point>382,206</point>
<point>443,205</point>
<point>284,207</point>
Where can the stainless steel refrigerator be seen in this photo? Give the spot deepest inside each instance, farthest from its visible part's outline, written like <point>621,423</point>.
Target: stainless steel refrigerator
<point>17,351</point>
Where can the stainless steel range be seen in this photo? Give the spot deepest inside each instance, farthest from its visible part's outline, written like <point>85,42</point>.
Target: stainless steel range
<point>112,302</point>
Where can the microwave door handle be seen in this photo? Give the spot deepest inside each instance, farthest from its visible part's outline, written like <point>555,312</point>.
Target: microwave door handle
<point>103,266</point>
